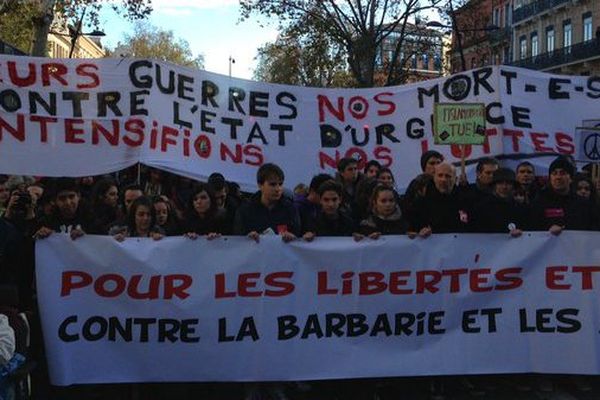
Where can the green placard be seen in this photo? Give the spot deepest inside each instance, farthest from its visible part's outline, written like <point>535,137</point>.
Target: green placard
<point>455,123</point>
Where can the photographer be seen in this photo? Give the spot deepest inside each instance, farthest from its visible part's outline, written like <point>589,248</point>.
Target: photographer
<point>17,262</point>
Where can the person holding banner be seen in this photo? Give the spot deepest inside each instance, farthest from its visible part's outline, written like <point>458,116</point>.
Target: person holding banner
<point>479,191</point>
<point>441,209</point>
<point>141,222</point>
<point>68,216</point>
<point>386,217</point>
<point>349,177</point>
<point>499,213</point>
<point>526,181</point>
<point>330,221</point>
<point>268,211</point>
<point>556,208</point>
<point>203,216</point>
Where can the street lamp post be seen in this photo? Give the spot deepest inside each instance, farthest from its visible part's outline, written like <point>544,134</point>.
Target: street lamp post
<point>75,35</point>
<point>231,61</point>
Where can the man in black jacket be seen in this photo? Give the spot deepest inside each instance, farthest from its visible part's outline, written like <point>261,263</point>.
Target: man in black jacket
<point>499,213</point>
<point>441,210</point>
<point>556,208</point>
<point>268,212</point>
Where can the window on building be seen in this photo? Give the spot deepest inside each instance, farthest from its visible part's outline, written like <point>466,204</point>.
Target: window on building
<point>496,19</point>
<point>550,39</point>
<point>567,35</point>
<point>535,49</point>
<point>507,16</point>
<point>425,61</point>
<point>473,63</point>
<point>523,48</point>
<point>437,62</point>
<point>587,26</point>
<point>413,61</point>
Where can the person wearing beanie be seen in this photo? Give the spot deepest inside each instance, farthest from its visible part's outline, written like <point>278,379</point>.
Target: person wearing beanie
<point>556,208</point>
<point>499,212</point>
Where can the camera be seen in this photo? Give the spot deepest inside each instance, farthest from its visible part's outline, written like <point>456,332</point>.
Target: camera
<point>23,201</point>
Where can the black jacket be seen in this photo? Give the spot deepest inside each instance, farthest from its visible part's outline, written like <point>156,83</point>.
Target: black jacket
<point>495,214</point>
<point>444,213</point>
<point>569,211</point>
<point>325,225</point>
<point>393,225</point>
<point>254,216</point>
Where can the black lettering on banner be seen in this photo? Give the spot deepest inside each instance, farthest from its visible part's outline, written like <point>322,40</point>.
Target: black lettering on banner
<point>144,81</point>
<point>415,133</point>
<point>170,87</point>
<point>177,120</point>
<point>209,91</point>
<point>520,117</point>
<point>233,125</point>
<point>289,105</point>
<point>182,88</point>
<point>10,100</point>
<point>206,118</point>
<point>108,100</point>
<point>49,106</point>
<point>433,91</point>
<point>480,77</point>
<point>509,75</point>
<point>385,130</point>
<point>281,130</point>
<point>287,327</point>
<point>136,102</point>
<point>247,329</point>
<point>62,330</point>
<point>488,112</point>
<point>554,88</point>
<point>259,104</point>
<point>236,95</point>
<point>567,317</point>
<point>76,98</point>
<point>457,87</point>
<point>312,327</point>
<point>593,85</point>
<point>330,136</point>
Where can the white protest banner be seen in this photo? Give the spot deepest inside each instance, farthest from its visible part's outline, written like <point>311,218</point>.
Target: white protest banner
<point>86,117</point>
<point>234,310</point>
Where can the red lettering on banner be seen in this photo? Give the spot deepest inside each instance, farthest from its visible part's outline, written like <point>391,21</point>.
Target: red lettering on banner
<point>43,121</point>
<point>539,140</point>
<point>88,71</point>
<point>324,102</point>
<point>564,143</point>
<point>18,80</point>
<point>56,71</point>
<point>72,131</point>
<point>397,280</point>
<point>477,277</point>
<point>427,281</point>
<point>553,276</point>
<point>114,285</point>
<point>515,136</point>
<point>135,126</point>
<point>277,284</point>
<point>391,106</point>
<point>18,132</point>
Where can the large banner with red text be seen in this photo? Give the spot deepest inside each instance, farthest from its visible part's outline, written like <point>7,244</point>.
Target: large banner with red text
<point>231,309</point>
<point>88,117</point>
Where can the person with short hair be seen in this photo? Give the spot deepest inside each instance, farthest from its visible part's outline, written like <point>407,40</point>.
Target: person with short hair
<point>556,208</point>
<point>499,213</point>
<point>372,169</point>
<point>202,216</point>
<point>429,160</point>
<point>308,206</point>
<point>349,177</point>
<point>130,194</point>
<point>525,179</point>
<point>441,209</point>
<point>474,193</point>
<point>329,220</point>
<point>68,216</point>
<point>268,212</point>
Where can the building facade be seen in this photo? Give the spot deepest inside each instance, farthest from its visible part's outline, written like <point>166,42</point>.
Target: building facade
<point>470,35</point>
<point>60,41</point>
<point>558,36</point>
<point>420,56</point>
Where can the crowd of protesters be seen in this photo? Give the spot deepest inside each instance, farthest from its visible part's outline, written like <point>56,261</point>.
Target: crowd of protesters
<point>364,204</point>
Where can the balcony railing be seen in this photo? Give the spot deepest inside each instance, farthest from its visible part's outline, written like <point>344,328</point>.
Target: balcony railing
<point>499,35</point>
<point>534,8</point>
<point>566,55</point>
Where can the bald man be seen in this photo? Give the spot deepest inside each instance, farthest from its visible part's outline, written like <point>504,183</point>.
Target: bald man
<point>440,211</point>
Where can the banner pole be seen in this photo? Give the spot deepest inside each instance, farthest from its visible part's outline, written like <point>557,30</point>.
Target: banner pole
<point>463,162</point>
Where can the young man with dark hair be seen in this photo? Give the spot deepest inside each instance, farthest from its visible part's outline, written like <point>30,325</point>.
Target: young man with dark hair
<point>479,191</point>
<point>308,206</point>
<point>130,194</point>
<point>225,203</point>
<point>556,208</point>
<point>349,178</point>
<point>525,179</point>
<point>330,221</point>
<point>268,212</point>
<point>68,216</point>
